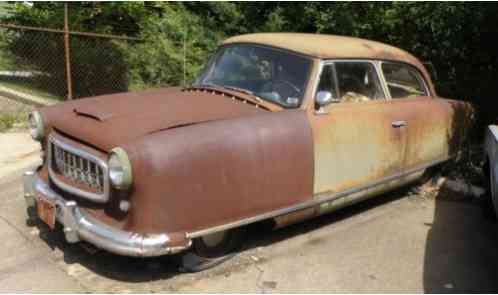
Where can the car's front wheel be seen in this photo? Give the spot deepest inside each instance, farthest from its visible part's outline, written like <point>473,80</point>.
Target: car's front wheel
<point>219,243</point>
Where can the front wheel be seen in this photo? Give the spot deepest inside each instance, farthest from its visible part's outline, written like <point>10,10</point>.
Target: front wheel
<point>219,243</point>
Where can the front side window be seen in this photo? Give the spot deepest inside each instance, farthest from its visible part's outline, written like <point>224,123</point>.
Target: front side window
<point>273,75</point>
<point>351,81</point>
<point>403,81</point>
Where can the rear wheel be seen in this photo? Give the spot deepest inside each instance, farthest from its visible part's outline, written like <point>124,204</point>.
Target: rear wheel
<point>220,243</point>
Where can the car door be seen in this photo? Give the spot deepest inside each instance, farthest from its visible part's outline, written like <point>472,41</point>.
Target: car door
<point>358,140</point>
<point>429,122</point>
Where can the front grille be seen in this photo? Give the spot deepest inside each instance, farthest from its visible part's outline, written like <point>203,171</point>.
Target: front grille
<point>79,171</point>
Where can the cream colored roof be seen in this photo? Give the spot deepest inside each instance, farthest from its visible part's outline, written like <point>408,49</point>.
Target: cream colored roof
<point>327,46</point>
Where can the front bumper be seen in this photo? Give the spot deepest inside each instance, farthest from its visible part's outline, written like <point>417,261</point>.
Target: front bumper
<point>80,226</point>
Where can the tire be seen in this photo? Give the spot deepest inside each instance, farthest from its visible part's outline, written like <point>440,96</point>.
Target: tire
<point>220,243</point>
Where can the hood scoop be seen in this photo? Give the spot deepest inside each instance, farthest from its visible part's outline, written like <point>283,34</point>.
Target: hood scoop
<point>94,112</point>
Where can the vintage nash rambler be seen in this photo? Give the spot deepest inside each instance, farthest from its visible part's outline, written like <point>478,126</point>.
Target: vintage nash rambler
<point>280,127</point>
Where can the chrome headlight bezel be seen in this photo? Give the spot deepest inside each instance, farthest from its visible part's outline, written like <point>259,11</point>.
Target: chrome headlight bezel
<point>119,169</point>
<point>36,125</point>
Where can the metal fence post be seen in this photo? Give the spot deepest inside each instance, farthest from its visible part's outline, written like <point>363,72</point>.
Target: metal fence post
<point>67,54</point>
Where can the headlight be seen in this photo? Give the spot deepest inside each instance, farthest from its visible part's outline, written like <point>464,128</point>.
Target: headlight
<point>119,169</point>
<point>36,128</point>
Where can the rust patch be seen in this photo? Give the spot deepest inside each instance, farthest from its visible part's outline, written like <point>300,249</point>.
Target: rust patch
<point>200,176</point>
<point>127,116</point>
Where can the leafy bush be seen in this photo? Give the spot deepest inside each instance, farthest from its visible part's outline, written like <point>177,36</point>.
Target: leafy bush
<point>168,39</point>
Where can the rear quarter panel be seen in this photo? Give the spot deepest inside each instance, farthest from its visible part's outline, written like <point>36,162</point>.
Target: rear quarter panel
<point>437,129</point>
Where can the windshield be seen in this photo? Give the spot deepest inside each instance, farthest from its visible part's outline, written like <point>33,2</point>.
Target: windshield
<point>272,75</point>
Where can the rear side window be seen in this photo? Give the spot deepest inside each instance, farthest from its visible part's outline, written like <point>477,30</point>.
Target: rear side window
<point>403,81</point>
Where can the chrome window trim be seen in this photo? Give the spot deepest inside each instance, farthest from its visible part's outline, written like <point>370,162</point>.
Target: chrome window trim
<point>383,81</point>
<point>316,81</point>
<point>99,198</point>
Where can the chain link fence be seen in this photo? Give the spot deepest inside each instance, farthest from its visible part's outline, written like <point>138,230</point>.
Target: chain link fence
<point>33,62</point>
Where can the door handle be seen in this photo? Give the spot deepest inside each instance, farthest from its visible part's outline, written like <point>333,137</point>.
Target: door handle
<point>398,124</point>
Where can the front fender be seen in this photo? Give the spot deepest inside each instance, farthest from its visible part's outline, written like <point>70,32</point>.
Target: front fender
<point>200,176</point>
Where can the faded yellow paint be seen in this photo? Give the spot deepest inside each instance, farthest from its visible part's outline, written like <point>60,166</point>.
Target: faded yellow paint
<point>355,144</point>
<point>326,46</point>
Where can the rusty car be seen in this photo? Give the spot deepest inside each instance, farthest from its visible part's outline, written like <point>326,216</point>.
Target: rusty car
<point>277,127</point>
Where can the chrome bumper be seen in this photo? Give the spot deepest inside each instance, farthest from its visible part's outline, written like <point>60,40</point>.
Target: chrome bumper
<point>79,226</point>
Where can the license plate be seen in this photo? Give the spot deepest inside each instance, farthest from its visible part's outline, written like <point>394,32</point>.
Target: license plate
<point>46,211</point>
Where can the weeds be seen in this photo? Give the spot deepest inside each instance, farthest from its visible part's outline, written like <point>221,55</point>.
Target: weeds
<point>8,121</point>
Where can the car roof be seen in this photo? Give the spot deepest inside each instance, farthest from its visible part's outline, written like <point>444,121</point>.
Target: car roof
<point>328,46</point>
<point>325,46</point>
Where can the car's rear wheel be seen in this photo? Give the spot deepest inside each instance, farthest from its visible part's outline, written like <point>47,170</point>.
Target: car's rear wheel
<point>220,243</point>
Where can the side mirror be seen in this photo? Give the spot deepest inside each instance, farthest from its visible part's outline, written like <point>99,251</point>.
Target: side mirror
<point>324,98</point>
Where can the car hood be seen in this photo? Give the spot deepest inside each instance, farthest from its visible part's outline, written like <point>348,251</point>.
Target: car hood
<point>109,121</point>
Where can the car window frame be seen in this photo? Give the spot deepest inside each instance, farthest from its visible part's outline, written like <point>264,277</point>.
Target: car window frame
<point>334,76</point>
<point>420,78</point>
<point>373,62</point>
